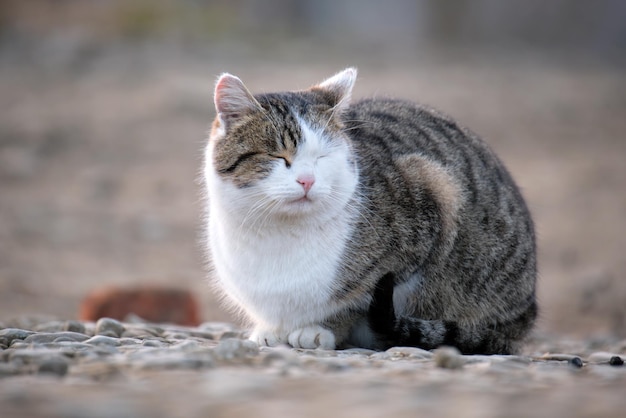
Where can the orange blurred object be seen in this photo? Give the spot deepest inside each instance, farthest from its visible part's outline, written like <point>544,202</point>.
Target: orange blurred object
<point>154,304</point>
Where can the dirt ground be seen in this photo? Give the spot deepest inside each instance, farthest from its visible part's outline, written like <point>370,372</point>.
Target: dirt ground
<point>100,151</point>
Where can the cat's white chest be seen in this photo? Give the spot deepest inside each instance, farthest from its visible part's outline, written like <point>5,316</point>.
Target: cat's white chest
<point>282,280</point>
<point>277,241</point>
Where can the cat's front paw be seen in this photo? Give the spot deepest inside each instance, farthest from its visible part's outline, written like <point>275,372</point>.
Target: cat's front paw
<point>313,336</point>
<point>269,338</point>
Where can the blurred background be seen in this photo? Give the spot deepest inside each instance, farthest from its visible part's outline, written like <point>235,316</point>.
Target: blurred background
<point>105,104</point>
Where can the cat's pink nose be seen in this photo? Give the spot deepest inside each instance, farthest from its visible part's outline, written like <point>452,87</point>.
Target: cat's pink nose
<point>306,181</point>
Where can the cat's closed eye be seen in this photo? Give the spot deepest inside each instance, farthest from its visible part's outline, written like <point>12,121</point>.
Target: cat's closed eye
<point>285,159</point>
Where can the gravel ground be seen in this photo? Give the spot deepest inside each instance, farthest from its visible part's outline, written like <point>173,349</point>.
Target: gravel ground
<point>113,369</point>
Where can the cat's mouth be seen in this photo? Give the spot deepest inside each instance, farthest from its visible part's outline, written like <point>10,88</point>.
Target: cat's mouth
<point>303,200</point>
<point>297,206</point>
<point>300,203</point>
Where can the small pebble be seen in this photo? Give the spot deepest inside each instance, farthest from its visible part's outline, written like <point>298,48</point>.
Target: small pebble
<point>359,351</point>
<point>204,335</point>
<point>74,326</point>
<point>49,337</point>
<point>54,366</point>
<point>8,335</point>
<point>109,327</point>
<point>616,361</point>
<point>599,357</point>
<point>409,352</point>
<point>74,349</point>
<point>130,341</point>
<point>152,342</point>
<point>576,362</point>
<point>19,344</point>
<point>381,356</point>
<point>448,358</point>
<point>103,340</point>
<point>175,335</point>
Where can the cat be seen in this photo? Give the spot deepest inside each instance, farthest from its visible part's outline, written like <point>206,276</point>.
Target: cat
<point>371,224</point>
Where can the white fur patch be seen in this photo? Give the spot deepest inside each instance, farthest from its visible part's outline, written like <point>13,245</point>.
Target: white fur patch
<point>276,256</point>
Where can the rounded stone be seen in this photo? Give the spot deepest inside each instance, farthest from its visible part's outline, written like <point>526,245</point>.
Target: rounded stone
<point>600,357</point>
<point>74,326</point>
<point>16,344</point>
<point>383,355</point>
<point>358,351</point>
<point>409,352</point>
<point>8,335</point>
<point>205,335</point>
<point>153,342</point>
<point>616,361</point>
<point>175,335</point>
<point>109,327</point>
<point>54,366</point>
<point>49,337</point>
<point>103,340</point>
<point>448,358</point>
<point>576,362</point>
<point>130,341</point>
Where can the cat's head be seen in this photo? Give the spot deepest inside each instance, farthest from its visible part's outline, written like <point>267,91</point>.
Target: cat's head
<point>281,155</point>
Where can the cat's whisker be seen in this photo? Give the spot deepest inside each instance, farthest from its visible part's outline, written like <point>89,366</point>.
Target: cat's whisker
<point>252,215</point>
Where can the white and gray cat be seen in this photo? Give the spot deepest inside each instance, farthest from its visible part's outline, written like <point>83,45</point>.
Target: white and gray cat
<point>371,224</point>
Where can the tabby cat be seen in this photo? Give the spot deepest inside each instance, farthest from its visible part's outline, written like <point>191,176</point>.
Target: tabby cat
<point>371,224</point>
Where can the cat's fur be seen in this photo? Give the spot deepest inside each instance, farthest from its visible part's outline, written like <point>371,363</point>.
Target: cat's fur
<point>371,224</point>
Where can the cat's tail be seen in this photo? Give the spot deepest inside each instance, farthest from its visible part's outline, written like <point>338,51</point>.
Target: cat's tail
<point>494,338</point>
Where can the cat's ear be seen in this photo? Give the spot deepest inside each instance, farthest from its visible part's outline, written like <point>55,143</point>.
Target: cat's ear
<point>232,99</point>
<point>339,87</point>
